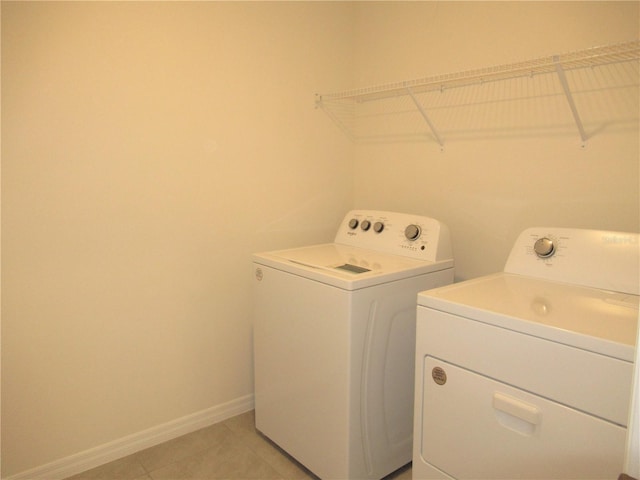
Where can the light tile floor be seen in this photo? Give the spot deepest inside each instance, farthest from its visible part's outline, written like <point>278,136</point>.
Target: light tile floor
<point>232,449</point>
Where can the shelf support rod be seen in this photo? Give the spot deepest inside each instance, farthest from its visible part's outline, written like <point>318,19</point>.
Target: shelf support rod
<point>425,116</point>
<point>567,92</point>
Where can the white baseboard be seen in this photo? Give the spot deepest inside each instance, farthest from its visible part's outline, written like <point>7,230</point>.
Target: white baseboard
<point>94,457</point>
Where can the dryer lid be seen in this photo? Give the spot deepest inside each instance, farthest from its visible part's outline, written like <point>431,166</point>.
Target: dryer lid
<point>597,320</point>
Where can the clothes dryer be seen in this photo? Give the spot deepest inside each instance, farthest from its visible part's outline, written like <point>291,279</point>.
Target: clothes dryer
<point>527,373</point>
<point>334,342</point>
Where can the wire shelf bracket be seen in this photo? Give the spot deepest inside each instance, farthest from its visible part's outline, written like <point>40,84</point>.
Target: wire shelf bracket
<point>572,104</point>
<point>423,112</point>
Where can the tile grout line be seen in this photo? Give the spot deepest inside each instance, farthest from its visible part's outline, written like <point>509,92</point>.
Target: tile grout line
<point>149,472</point>
<point>255,432</point>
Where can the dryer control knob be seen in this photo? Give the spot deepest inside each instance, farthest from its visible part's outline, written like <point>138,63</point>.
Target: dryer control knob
<point>353,223</point>
<point>378,227</point>
<point>544,247</point>
<point>412,232</point>
<point>365,225</point>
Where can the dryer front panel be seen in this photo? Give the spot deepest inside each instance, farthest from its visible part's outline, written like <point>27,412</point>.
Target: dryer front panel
<point>477,428</point>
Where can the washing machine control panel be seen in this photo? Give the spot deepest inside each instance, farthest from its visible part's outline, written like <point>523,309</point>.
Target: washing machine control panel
<point>411,232</point>
<point>398,233</point>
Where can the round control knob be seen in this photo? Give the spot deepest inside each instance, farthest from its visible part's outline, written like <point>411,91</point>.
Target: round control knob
<point>365,225</point>
<point>412,232</point>
<point>544,247</point>
<point>378,227</point>
<point>353,223</point>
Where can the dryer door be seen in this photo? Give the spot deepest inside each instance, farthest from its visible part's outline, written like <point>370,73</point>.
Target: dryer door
<point>477,428</point>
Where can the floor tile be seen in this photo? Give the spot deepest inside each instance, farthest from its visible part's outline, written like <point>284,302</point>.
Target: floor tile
<point>288,467</point>
<point>243,423</point>
<point>127,468</point>
<point>184,446</point>
<point>403,473</point>
<point>231,450</point>
<point>244,427</point>
<point>229,460</point>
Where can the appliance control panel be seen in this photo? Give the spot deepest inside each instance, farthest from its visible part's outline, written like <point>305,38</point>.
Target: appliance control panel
<point>403,234</point>
<point>592,258</point>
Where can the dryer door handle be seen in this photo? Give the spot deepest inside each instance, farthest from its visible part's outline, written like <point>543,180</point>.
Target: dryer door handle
<point>515,414</point>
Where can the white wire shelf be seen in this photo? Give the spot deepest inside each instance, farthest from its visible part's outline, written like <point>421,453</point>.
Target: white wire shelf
<point>350,111</point>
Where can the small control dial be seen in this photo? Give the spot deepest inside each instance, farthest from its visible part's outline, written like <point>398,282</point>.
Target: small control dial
<point>412,232</point>
<point>544,247</point>
<point>378,227</point>
<point>365,225</point>
<point>353,223</point>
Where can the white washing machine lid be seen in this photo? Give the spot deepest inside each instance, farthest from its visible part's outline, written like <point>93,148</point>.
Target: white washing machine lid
<point>596,320</point>
<point>347,267</point>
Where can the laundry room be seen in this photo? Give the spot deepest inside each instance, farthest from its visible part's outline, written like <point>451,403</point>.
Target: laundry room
<point>150,148</point>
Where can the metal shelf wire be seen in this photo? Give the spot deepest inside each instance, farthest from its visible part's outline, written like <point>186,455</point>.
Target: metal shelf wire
<point>350,109</point>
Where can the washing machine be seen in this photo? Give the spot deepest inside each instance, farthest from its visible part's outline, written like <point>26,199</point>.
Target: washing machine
<point>334,341</point>
<point>527,373</point>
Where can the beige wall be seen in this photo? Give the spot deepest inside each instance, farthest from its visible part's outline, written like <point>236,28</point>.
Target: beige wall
<point>147,150</point>
<point>505,166</point>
